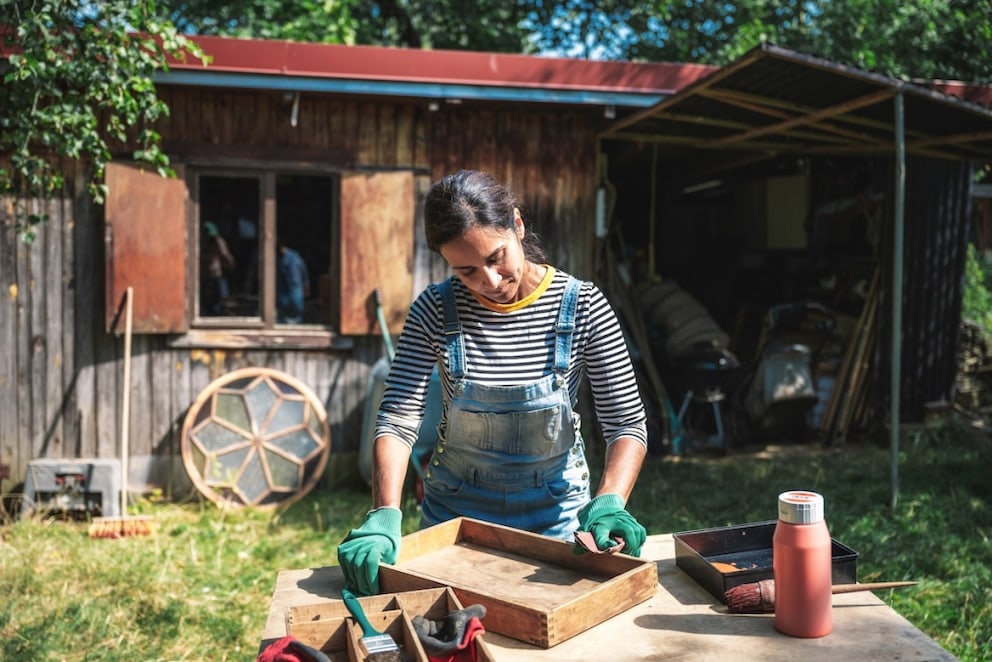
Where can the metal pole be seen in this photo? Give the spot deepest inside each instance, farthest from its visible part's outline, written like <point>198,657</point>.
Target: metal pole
<point>897,259</point>
<point>651,214</point>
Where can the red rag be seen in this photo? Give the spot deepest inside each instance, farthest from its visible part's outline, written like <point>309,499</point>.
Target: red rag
<point>466,651</point>
<point>289,649</point>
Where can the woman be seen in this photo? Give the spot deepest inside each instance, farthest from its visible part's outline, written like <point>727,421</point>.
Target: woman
<point>512,338</point>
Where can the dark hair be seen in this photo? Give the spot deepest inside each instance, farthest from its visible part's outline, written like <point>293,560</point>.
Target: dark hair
<point>470,198</point>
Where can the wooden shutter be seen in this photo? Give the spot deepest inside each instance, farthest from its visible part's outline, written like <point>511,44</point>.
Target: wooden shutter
<point>145,248</point>
<point>377,221</point>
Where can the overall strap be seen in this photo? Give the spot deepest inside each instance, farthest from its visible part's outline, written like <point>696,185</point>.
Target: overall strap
<point>565,325</point>
<point>452,330</point>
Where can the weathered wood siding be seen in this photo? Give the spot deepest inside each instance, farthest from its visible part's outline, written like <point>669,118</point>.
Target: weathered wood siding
<point>61,373</point>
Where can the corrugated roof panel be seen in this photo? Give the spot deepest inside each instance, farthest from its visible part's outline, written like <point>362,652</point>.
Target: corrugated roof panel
<point>778,101</point>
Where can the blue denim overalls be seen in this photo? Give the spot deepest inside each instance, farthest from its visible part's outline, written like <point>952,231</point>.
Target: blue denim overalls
<point>510,455</point>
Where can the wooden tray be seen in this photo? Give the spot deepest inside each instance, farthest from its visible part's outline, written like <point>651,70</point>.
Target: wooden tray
<point>329,627</point>
<point>534,588</point>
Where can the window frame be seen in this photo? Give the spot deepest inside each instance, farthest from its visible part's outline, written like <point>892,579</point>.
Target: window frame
<point>382,253</point>
<point>267,224</point>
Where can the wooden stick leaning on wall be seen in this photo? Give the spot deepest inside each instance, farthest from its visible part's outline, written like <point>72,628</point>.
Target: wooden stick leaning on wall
<point>848,388</point>
<point>861,410</point>
<point>828,420</point>
<point>833,401</point>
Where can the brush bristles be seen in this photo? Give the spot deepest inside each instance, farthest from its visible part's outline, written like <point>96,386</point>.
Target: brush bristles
<point>121,527</point>
<point>755,597</point>
<point>387,656</point>
<point>380,643</point>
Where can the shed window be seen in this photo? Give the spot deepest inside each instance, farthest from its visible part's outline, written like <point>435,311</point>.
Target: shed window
<point>350,233</point>
<point>244,280</point>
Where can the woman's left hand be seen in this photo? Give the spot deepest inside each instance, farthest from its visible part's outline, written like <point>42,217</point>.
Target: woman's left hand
<point>606,518</point>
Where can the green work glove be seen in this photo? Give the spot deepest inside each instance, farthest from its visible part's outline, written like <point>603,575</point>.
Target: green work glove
<point>605,518</point>
<point>376,540</point>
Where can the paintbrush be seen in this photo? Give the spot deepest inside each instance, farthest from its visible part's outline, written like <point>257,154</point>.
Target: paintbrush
<point>759,597</point>
<point>379,646</point>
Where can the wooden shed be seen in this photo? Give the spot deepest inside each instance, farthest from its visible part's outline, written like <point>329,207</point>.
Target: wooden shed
<point>329,149</point>
<point>784,180</point>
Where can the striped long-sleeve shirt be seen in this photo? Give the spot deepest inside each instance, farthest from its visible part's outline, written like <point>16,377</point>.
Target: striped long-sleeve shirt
<point>510,348</point>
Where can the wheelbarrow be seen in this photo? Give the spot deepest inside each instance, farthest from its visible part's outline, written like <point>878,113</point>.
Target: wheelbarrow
<point>427,437</point>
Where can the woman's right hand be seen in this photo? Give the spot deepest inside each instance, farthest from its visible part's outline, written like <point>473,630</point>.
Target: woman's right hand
<point>364,548</point>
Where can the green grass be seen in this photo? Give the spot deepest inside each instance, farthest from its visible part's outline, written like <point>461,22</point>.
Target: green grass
<point>199,589</point>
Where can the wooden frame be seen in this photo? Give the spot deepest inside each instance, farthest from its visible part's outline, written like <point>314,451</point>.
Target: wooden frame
<point>328,627</point>
<point>534,588</point>
<point>242,427</point>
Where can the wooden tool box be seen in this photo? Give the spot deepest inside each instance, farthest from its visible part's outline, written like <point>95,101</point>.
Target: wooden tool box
<point>329,627</point>
<point>535,589</point>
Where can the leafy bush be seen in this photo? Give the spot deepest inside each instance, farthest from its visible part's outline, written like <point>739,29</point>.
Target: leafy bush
<point>976,305</point>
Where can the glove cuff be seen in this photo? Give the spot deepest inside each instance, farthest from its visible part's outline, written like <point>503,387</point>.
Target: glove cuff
<point>610,501</point>
<point>383,520</point>
<point>604,503</point>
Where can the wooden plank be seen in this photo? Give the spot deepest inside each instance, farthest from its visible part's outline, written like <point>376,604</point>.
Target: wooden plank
<point>107,409</point>
<point>24,344</point>
<point>834,402</point>
<point>67,316</point>
<point>368,130</point>
<point>10,357</point>
<point>405,137</point>
<point>385,137</point>
<point>145,405</point>
<point>158,437</point>
<point>859,364</point>
<point>87,297</point>
<point>336,110</point>
<point>350,133</point>
<point>455,152</point>
<point>52,389</point>
<point>182,396</point>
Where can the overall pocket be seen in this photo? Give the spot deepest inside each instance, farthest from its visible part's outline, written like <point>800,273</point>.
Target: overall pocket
<point>532,433</point>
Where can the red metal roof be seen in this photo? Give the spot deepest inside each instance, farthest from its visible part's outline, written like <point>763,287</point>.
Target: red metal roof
<point>286,58</point>
<point>980,94</point>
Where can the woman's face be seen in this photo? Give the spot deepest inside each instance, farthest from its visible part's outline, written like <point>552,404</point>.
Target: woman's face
<point>490,262</point>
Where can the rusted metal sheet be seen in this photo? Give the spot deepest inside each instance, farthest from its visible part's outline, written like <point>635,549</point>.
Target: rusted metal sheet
<point>146,248</point>
<point>377,221</point>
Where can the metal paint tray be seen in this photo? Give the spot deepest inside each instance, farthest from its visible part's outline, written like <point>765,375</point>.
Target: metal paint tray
<point>724,557</point>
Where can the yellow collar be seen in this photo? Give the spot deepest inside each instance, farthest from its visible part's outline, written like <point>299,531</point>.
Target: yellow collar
<point>541,288</point>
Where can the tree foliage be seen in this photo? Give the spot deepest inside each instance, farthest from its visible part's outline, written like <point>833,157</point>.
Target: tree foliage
<point>976,304</point>
<point>318,21</point>
<point>78,74</point>
<point>928,39</point>
<point>492,25</point>
<point>482,25</point>
<point>78,80</point>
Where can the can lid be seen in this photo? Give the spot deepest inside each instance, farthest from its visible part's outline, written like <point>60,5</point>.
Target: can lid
<point>800,507</point>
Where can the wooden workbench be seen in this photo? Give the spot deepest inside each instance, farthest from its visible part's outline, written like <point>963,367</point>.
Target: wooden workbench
<point>681,621</point>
